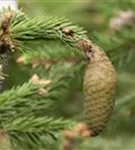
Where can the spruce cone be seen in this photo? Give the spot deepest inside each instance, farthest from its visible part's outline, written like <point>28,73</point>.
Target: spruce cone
<point>99,87</point>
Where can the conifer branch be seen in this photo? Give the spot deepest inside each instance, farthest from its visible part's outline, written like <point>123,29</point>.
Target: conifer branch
<point>33,131</point>
<point>18,101</point>
<point>48,28</point>
<point>22,110</point>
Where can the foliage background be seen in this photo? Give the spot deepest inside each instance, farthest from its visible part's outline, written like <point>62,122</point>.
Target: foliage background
<point>94,16</point>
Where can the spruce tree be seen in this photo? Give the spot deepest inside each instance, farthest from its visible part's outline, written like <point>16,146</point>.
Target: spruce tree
<point>42,72</point>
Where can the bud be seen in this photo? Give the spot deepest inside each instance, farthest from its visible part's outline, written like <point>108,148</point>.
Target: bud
<point>35,79</point>
<point>81,127</point>
<point>45,83</point>
<point>20,59</point>
<point>42,92</point>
